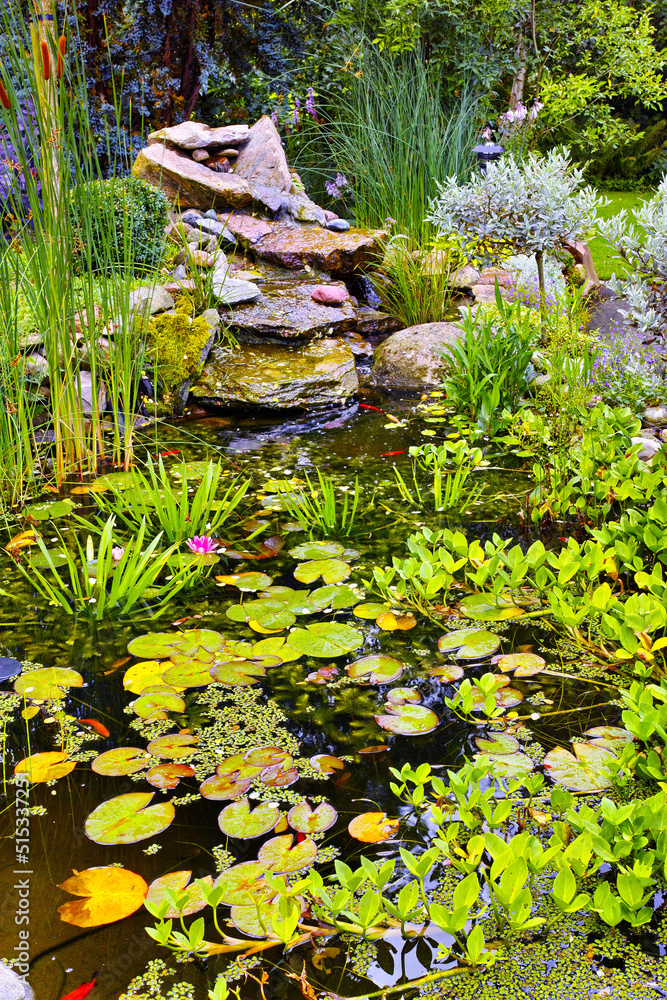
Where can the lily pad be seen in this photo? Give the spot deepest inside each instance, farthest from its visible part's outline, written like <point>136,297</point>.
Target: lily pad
<point>448,673</point>
<point>392,621</point>
<point>177,882</point>
<point>255,921</point>
<point>326,763</point>
<point>52,557</point>
<point>108,894</point>
<point>331,571</point>
<point>237,673</point>
<point>304,819</point>
<point>167,776</point>
<point>177,746</point>
<point>120,761</point>
<point>523,664</point>
<point>469,643</point>
<point>611,737</point>
<point>375,669</point>
<point>584,770</point>
<point>317,550</point>
<point>191,673</point>
<point>160,645</point>
<point>233,778</point>
<point>408,720</point>
<point>238,820</point>
<point>49,510</point>
<point>139,676</point>
<point>280,857</point>
<point>45,766</point>
<point>267,756</point>
<point>162,701</point>
<point>486,608</point>
<point>325,639</point>
<point>247,582</point>
<point>332,596</point>
<point>279,775</point>
<point>243,884</point>
<point>47,683</point>
<point>373,827</point>
<point>275,646</point>
<point>498,743</point>
<point>370,611</point>
<point>506,697</point>
<point>127,819</point>
<point>508,765</point>
<point>402,695</point>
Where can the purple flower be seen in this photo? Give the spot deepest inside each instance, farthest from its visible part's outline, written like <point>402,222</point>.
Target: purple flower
<point>332,190</point>
<point>202,545</point>
<point>521,112</point>
<point>535,110</point>
<point>274,119</point>
<point>310,103</point>
<point>297,102</point>
<point>341,181</point>
<point>487,135</point>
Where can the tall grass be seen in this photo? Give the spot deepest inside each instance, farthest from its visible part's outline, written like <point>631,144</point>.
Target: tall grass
<point>395,134</point>
<point>89,343</point>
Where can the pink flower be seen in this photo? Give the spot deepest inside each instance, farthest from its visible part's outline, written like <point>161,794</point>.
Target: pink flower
<point>202,545</point>
<point>117,553</point>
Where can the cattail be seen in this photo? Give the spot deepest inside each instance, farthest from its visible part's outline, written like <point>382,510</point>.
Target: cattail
<point>62,48</point>
<point>46,60</point>
<point>4,100</point>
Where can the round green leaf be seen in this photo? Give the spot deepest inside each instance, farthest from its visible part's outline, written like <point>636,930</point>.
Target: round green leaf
<point>238,820</point>
<point>56,556</point>
<point>317,550</point>
<point>247,582</point>
<point>243,884</point>
<point>303,819</point>
<point>375,669</point>
<point>509,765</point>
<point>485,608</point>
<point>469,643</point>
<point>584,770</point>
<point>127,819</point>
<point>278,855</point>
<point>255,921</point>
<point>331,571</point>
<point>47,683</point>
<point>237,673</point>
<point>408,720</point>
<point>610,737</point>
<point>121,760</point>
<point>370,611</point>
<point>191,673</point>
<point>50,509</point>
<point>506,697</point>
<point>325,639</point>
<point>447,673</point>
<point>498,743</point>
<point>160,701</point>
<point>275,645</point>
<point>401,695</point>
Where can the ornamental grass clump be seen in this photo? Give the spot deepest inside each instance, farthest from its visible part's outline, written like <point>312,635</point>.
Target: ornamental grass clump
<point>531,206</point>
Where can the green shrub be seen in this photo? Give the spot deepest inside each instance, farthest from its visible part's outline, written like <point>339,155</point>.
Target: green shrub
<point>123,221</point>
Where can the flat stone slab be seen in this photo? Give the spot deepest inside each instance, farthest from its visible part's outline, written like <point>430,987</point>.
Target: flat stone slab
<point>233,291</point>
<point>247,229</point>
<point>414,358</point>
<point>286,310</point>
<point>275,376</point>
<point>192,183</point>
<point>337,253</point>
<point>197,135</point>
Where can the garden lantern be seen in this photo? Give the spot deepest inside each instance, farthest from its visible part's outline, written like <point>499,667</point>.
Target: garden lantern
<point>487,152</point>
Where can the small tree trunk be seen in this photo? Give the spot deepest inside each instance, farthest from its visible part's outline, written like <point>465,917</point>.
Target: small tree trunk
<point>539,258</point>
<point>518,83</point>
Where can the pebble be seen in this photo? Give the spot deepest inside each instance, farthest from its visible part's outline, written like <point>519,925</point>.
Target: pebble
<point>655,415</point>
<point>329,295</point>
<point>649,447</point>
<point>211,214</point>
<point>199,155</point>
<point>338,225</point>
<point>191,217</point>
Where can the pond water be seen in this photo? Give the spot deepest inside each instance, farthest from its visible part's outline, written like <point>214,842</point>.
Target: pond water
<point>332,718</point>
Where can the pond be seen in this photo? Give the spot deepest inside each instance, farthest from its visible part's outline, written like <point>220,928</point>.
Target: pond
<point>308,706</point>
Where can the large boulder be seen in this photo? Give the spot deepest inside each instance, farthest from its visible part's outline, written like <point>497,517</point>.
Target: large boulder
<point>194,184</point>
<point>275,377</point>
<point>262,160</point>
<point>288,311</point>
<point>13,986</point>
<point>338,253</point>
<point>414,358</point>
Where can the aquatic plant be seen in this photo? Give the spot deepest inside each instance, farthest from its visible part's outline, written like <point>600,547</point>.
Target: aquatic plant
<point>202,545</point>
<point>416,286</point>
<point>448,468</point>
<point>319,511</point>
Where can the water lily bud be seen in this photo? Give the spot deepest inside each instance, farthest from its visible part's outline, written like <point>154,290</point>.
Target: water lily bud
<point>62,49</point>
<point>46,60</point>
<point>4,99</point>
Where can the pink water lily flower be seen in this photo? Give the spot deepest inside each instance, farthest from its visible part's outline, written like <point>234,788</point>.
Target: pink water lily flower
<point>117,553</point>
<point>202,545</point>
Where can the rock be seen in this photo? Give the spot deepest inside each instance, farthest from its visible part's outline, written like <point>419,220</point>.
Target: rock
<point>372,321</point>
<point>414,358</point>
<point>275,377</point>
<point>262,160</point>
<point>464,277</point>
<point>180,285</point>
<point>212,227</point>
<point>329,215</point>
<point>338,253</point>
<point>36,367</point>
<point>329,295</point>
<point>211,214</point>
<point>484,293</point>
<point>230,153</point>
<point>13,986</point>
<point>302,209</point>
<point>196,135</point>
<point>287,311</point>
<point>212,317</point>
<point>203,259</point>
<point>191,217</point>
<point>655,415</point>
<point>84,391</point>
<point>338,225</point>
<point>200,155</point>
<point>247,229</point>
<point>180,177</point>
<point>490,275</point>
<point>649,447</point>
<point>438,262</point>
<point>150,300</point>
<point>197,238</point>
<point>230,291</point>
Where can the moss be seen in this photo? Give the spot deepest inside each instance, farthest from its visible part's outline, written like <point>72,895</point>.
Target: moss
<point>175,343</point>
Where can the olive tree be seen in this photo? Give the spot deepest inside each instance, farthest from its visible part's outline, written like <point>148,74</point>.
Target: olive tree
<point>646,254</point>
<point>529,206</point>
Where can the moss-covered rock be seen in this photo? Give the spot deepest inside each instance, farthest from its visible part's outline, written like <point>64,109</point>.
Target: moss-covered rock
<point>178,345</point>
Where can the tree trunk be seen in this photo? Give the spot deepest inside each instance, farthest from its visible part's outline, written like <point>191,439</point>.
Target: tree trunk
<point>519,81</point>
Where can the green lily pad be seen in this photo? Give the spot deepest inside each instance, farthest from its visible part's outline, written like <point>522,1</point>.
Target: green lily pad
<point>375,669</point>
<point>370,611</point>
<point>584,770</point>
<point>247,582</point>
<point>191,673</point>
<point>331,571</point>
<point>47,683</point>
<point>159,701</point>
<point>160,645</point>
<point>333,597</point>
<point>281,857</point>
<point>55,556</point>
<point>317,550</point>
<point>408,720</point>
<point>127,819</point>
<point>279,775</point>
<point>178,882</point>
<point>177,746</point>
<point>486,608</point>
<point>193,470</point>
<point>113,481</point>
<point>256,921</point>
<point>498,744</point>
<point>238,820</point>
<point>523,664</point>
<point>267,756</point>
<point>233,777</point>
<point>243,884</point>
<point>509,765</point>
<point>610,737</point>
<point>275,645</point>
<point>506,697</point>
<point>304,819</point>
<point>403,695</point>
<point>237,673</point>
<point>120,761</point>
<point>325,639</point>
<point>469,643</point>
<point>448,673</point>
<point>49,510</point>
